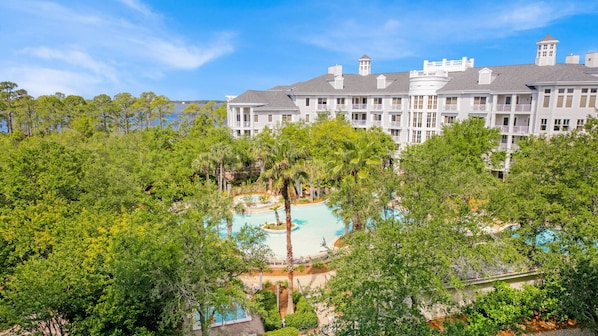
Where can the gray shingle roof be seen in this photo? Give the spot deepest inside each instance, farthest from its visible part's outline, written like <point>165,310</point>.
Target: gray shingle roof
<point>266,100</point>
<point>515,78</point>
<point>548,37</point>
<point>397,82</point>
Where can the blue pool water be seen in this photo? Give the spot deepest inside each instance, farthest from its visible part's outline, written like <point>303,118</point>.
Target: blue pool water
<point>235,315</point>
<point>316,224</point>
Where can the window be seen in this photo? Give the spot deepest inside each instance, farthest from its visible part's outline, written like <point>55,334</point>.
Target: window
<point>377,101</point>
<point>543,124</point>
<point>504,139</point>
<point>287,117</point>
<point>395,132</point>
<point>505,121</point>
<point>557,124</point>
<point>580,123</point>
<point>430,120</point>
<point>479,103</point>
<point>396,103</point>
<point>432,102</point>
<point>322,102</point>
<point>430,134</point>
<point>340,103</point>
<point>546,101</point>
<point>418,102</point>
<point>564,98</point>
<point>416,137</point>
<point>269,118</point>
<point>395,119</point>
<point>377,117</point>
<point>417,119</point>
<point>306,101</point>
<point>256,118</point>
<point>449,120</point>
<point>588,97</point>
<point>450,103</point>
<point>566,124</point>
<point>359,102</point>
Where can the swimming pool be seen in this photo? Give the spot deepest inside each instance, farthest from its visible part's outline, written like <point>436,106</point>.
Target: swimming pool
<point>236,314</point>
<point>316,226</point>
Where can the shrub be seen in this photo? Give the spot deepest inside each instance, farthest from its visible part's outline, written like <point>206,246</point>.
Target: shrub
<point>288,331</point>
<point>305,317</point>
<point>266,301</point>
<point>302,321</point>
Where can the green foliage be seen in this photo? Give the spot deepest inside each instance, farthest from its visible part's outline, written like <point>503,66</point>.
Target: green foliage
<point>266,303</point>
<point>305,316</point>
<point>287,331</point>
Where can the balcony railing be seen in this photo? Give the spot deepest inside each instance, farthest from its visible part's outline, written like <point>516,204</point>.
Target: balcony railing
<point>396,107</point>
<point>503,107</point>
<point>358,122</point>
<point>376,106</point>
<point>377,123</point>
<point>396,138</point>
<point>504,128</point>
<point>480,107</point>
<point>523,107</point>
<point>322,107</point>
<point>359,106</point>
<point>394,124</point>
<point>244,124</point>
<point>520,129</point>
<point>451,107</point>
<point>341,106</point>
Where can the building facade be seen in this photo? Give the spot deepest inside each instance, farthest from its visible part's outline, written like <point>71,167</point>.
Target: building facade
<point>520,100</point>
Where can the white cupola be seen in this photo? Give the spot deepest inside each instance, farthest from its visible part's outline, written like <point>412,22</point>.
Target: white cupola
<point>546,52</point>
<point>365,65</point>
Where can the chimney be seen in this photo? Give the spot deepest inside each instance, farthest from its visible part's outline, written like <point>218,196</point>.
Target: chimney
<point>592,59</point>
<point>336,70</point>
<point>572,59</point>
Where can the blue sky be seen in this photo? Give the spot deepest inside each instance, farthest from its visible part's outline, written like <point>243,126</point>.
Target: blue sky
<point>200,49</point>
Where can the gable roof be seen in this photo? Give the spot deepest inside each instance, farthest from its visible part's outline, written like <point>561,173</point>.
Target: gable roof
<point>265,100</point>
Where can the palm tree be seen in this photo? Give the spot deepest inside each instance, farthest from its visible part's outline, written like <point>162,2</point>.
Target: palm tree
<point>285,164</point>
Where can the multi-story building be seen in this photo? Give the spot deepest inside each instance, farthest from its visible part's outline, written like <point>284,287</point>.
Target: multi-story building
<point>520,100</point>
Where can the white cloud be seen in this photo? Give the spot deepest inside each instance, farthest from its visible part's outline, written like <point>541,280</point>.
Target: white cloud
<point>138,6</point>
<point>399,31</point>
<point>181,56</point>
<point>46,81</point>
<point>76,58</point>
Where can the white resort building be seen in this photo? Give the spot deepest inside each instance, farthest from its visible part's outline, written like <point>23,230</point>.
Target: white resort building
<point>520,100</point>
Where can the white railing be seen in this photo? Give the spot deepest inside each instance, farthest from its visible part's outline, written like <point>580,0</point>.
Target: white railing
<point>523,107</point>
<point>503,107</point>
<point>396,138</point>
<point>359,106</point>
<point>397,107</point>
<point>520,129</point>
<point>358,122</point>
<point>451,107</point>
<point>394,124</point>
<point>504,128</point>
<point>341,106</point>
<point>480,107</point>
<point>376,106</point>
<point>322,107</point>
<point>376,123</point>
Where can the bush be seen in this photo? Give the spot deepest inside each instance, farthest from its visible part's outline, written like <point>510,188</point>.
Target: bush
<point>305,317</point>
<point>302,321</point>
<point>266,301</point>
<point>288,331</point>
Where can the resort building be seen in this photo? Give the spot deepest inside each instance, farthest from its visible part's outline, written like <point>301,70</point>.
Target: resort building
<point>520,100</point>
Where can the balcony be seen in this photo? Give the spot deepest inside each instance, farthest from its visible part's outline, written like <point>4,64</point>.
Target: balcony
<point>396,107</point>
<point>359,106</point>
<point>503,129</point>
<point>521,129</point>
<point>322,107</point>
<point>242,124</point>
<point>377,123</point>
<point>451,107</point>
<point>480,107</point>
<point>394,124</point>
<point>523,107</point>
<point>358,122</point>
<point>377,107</point>
<point>341,107</point>
<point>503,107</point>
<point>396,138</point>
